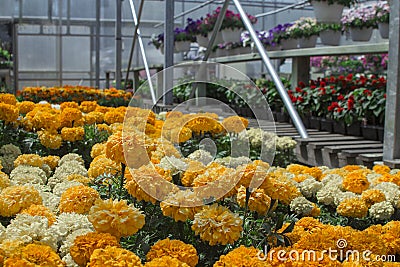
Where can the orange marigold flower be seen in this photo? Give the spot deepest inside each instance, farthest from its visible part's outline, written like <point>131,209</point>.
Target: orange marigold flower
<point>78,199</point>
<point>72,134</point>
<point>351,168</point>
<point>25,106</point>
<point>8,113</point>
<point>356,181</point>
<point>387,177</point>
<point>242,256</point>
<point>29,159</point>
<point>165,261</point>
<point>381,169</point>
<point>116,217</point>
<point>51,140</point>
<point>65,105</point>
<point>88,106</point>
<point>14,199</point>
<point>114,257</point>
<point>8,99</point>
<point>217,225</point>
<point>198,123</point>
<point>40,210</point>
<point>353,207</point>
<point>70,117</point>
<point>114,116</point>
<point>372,196</point>
<point>258,201</point>
<point>235,124</point>
<point>51,161</point>
<point>85,245</point>
<point>174,248</point>
<point>41,255</point>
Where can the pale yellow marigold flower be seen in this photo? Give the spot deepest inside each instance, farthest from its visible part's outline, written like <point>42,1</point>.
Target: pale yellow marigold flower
<point>116,217</point>
<point>165,261</point>
<point>181,206</point>
<point>40,210</point>
<point>353,207</point>
<point>78,199</point>
<point>217,225</point>
<point>14,199</point>
<point>174,248</point>
<point>85,245</point>
<point>114,257</point>
<point>258,201</point>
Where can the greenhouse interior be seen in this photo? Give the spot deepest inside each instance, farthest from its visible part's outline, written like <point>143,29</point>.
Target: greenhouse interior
<point>233,133</point>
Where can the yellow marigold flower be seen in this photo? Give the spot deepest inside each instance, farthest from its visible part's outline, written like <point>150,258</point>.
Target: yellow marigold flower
<point>258,201</point>
<point>301,177</point>
<point>40,210</point>
<point>180,135</point>
<point>16,262</point>
<point>116,217</point>
<point>300,169</point>
<point>114,257</point>
<point>296,168</point>
<point>70,116</point>
<point>65,105</point>
<point>50,140</point>
<point>314,172</point>
<point>197,123</point>
<point>102,109</point>
<point>235,124</point>
<point>72,134</point>
<point>78,199</point>
<point>181,206</point>
<point>279,187</point>
<point>217,225</point>
<point>391,237</point>
<point>147,184</point>
<point>85,245</point>
<point>387,177</point>
<point>351,168</point>
<point>241,256</point>
<point>104,127</point>
<point>8,99</point>
<point>4,180</point>
<point>316,211</point>
<point>194,169</point>
<point>252,174</point>
<point>115,149</point>
<point>98,117</point>
<point>372,196</point>
<point>213,172</point>
<point>174,248</point>
<point>14,199</point>
<point>79,178</point>
<point>25,106</point>
<point>174,114</point>
<point>44,119</point>
<point>51,161</point>
<point>114,116</point>
<point>353,207</point>
<point>165,261</point>
<point>41,255</point>
<point>88,106</point>
<point>381,169</point>
<point>102,165</point>
<point>29,159</point>
<point>356,181</point>
<point>8,113</point>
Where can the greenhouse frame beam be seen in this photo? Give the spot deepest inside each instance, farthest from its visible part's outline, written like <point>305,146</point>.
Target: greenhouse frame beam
<point>274,75</point>
<point>391,145</point>
<point>168,75</point>
<point>118,44</point>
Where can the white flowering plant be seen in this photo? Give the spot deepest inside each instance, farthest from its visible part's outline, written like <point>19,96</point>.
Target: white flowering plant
<point>304,27</point>
<point>382,12</point>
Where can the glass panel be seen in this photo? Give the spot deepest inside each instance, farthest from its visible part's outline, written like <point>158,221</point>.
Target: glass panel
<point>76,54</point>
<point>37,53</point>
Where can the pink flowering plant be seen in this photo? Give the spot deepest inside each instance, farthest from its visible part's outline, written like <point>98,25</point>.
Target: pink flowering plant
<point>382,12</point>
<point>360,17</point>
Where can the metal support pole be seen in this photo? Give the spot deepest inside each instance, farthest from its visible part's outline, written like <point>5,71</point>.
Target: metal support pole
<point>118,44</point>
<point>168,51</point>
<point>281,89</point>
<point>391,145</point>
<point>135,34</point>
<point>97,44</point>
<point>60,46</point>
<point>15,57</point>
<point>143,51</point>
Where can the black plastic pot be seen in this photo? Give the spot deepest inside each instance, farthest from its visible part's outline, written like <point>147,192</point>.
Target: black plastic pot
<point>339,127</point>
<point>282,117</point>
<point>327,125</point>
<point>354,129</point>
<point>380,133</point>
<point>315,123</point>
<point>369,132</point>
<point>306,121</point>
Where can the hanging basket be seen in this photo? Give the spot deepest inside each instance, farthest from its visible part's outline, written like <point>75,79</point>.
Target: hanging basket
<point>201,40</point>
<point>330,37</point>
<point>308,42</point>
<point>327,13</point>
<point>361,35</point>
<point>384,30</point>
<point>231,36</point>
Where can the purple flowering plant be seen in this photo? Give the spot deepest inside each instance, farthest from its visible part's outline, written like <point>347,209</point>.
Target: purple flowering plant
<point>359,17</point>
